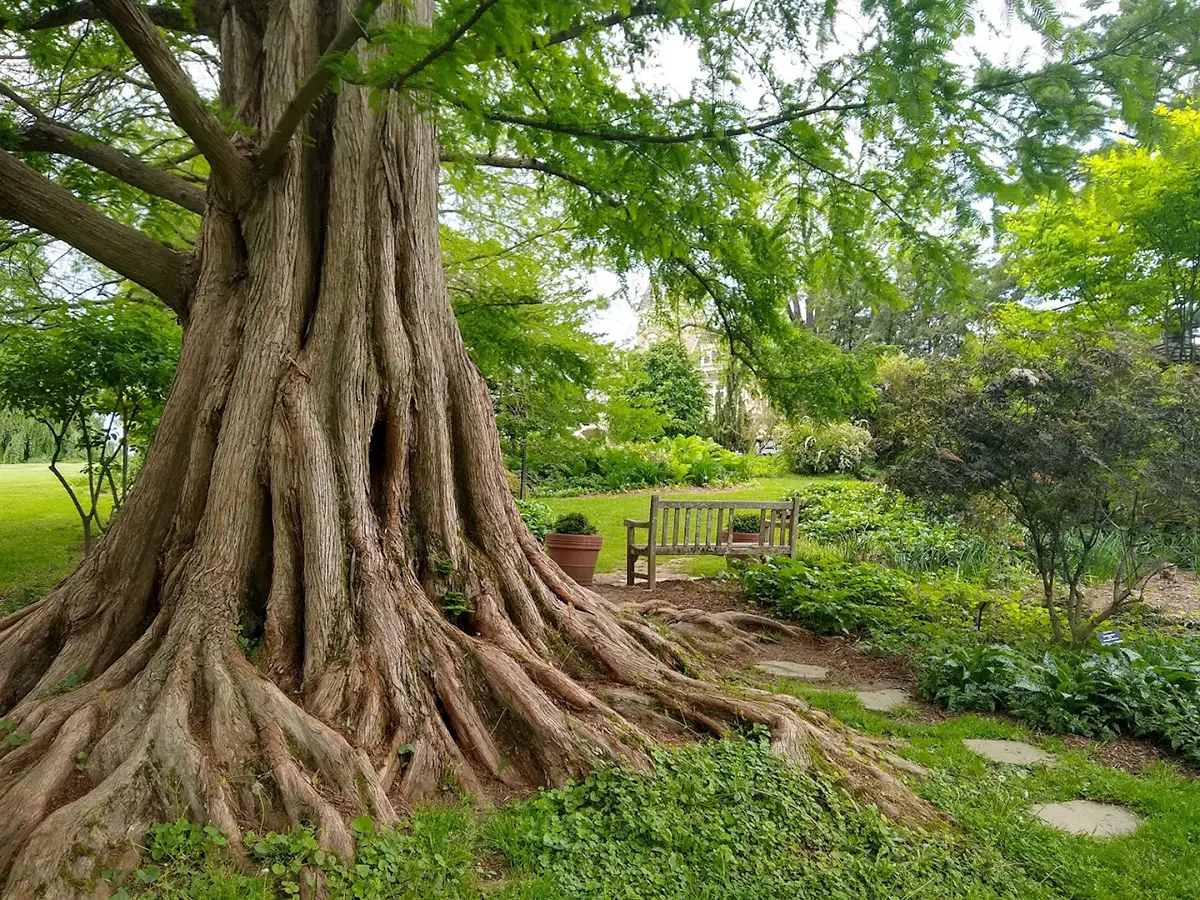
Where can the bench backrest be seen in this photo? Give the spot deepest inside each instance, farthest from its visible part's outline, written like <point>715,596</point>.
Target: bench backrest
<point>704,526</point>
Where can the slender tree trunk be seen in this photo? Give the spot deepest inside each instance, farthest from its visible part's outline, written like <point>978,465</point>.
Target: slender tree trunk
<point>328,465</point>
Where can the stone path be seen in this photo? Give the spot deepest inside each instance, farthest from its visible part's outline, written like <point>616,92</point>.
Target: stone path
<point>1014,753</point>
<point>884,700</point>
<point>785,669</point>
<point>1100,820</point>
<point>1086,817</point>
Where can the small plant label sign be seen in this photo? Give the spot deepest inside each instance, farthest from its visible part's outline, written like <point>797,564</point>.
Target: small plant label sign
<point>1110,638</point>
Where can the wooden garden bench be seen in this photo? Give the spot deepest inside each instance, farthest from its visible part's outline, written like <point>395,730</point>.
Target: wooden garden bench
<point>702,528</point>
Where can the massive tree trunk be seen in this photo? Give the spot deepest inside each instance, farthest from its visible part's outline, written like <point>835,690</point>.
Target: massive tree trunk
<point>272,631</point>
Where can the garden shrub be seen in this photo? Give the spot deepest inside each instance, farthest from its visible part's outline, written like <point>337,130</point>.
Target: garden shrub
<point>829,596</point>
<point>538,517</point>
<point>1153,693</point>
<point>841,448</point>
<point>888,527</point>
<point>582,465</point>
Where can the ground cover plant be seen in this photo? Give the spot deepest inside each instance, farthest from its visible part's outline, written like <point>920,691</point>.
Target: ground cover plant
<point>990,804</point>
<point>1154,692</point>
<point>870,520</point>
<point>982,649</point>
<point>728,820</point>
<point>725,819</point>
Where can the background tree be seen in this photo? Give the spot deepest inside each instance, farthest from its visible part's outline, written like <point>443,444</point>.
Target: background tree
<point>1126,247</point>
<point>95,379</point>
<point>666,379</point>
<point>526,330</point>
<point>731,426</point>
<point>328,462</point>
<point>1084,440</point>
<point>25,440</point>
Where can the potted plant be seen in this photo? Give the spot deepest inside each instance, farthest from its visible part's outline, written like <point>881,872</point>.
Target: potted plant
<point>745,529</point>
<point>574,544</point>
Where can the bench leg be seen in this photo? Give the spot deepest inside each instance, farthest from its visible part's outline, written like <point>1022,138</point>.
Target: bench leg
<point>630,561</point>
<point>650,568</point>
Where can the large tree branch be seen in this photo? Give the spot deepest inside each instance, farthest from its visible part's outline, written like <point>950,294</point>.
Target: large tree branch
<point>48,136</point>
<point>186,106</point>
<point>69,14</point>
<point>36,201</point>
<point>315,85</point>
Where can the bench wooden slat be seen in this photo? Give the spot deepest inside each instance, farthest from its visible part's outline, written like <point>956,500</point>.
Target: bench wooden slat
<point>728,504</point>
<point>708,531</point>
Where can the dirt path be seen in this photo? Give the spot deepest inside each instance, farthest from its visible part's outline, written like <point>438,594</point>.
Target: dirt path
<point>849,668</point>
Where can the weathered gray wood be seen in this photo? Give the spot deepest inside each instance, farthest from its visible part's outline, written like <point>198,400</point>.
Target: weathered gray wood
<point>650,551</point>
<point>795,526</point>
<point>694,530</point>
<point>728,504</point>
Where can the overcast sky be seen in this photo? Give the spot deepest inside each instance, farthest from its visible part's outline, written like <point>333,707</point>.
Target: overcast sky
<point>677,65</point>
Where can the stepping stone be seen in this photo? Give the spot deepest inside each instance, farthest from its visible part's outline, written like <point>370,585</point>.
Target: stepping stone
<point>784,669</point>
<point>1015,753</point>
<point>884,700</point>
<point>1101,820</point>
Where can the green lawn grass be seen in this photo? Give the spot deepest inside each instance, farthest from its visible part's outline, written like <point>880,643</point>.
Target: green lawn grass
<point>609,512</point>
<point>40,534</point>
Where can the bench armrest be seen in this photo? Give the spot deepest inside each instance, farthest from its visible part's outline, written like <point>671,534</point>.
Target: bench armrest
<point>630,523</point>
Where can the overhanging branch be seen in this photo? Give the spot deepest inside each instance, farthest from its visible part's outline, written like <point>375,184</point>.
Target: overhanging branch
<point>37,202</point>
<point>187,108</point>
<point>48,136</point>
<point>445,46</point>
<point>528,163</point>
<point>633,137</point>
<point>70,13</point>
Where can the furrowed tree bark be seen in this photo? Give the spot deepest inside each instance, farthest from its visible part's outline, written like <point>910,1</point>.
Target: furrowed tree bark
<point>272,631</point>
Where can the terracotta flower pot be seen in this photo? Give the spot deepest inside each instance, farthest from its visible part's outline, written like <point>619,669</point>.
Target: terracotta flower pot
<point>741,537</point>
<point>576,553</point>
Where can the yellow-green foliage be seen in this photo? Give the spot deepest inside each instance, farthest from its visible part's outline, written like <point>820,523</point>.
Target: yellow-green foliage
<point>842,448</point>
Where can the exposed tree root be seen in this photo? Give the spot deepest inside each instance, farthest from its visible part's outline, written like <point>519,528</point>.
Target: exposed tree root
<point>184,724</point>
